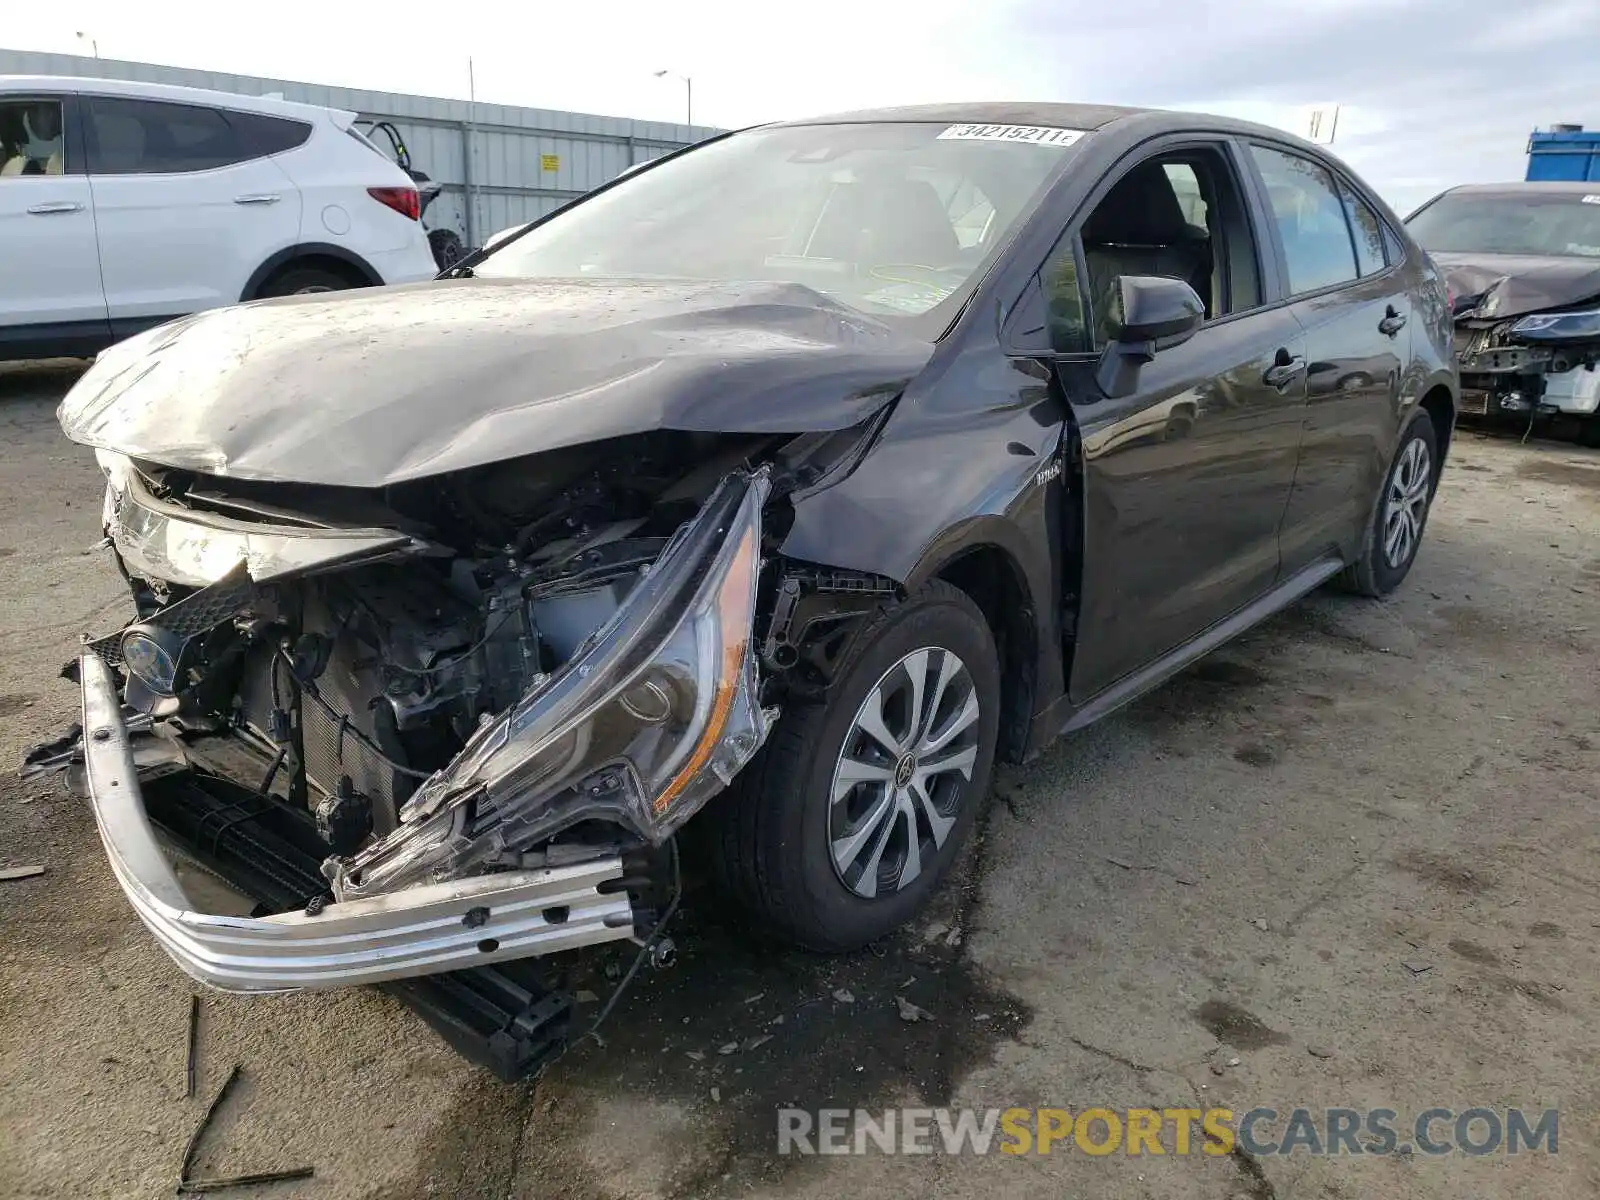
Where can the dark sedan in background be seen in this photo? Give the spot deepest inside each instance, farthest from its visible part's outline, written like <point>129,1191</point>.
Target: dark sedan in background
<point>763,497</point>
<point>1523,264</point>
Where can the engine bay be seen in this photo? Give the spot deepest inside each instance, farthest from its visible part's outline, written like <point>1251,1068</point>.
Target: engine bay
<point>354,684</point>
<point>346,690</point>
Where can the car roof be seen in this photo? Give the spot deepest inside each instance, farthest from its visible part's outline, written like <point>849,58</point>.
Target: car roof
<point>1060,116</point>
<point>169,91</point>
<point>1086,117</point>
<point>1147,122</point>
<point>1538,187</point>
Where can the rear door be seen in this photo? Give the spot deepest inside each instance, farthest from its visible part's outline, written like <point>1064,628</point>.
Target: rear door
<point>49,264</point>
<point>186,203</point>
<point>1184,481</point>
<point>1356,313</point>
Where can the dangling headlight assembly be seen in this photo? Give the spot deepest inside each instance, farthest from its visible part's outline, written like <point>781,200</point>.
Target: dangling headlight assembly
<point>651,717</point>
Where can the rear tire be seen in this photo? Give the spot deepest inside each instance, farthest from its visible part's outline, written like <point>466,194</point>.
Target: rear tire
<point>826,863</point>
<point>301,281</point>
<point>1401,514</point>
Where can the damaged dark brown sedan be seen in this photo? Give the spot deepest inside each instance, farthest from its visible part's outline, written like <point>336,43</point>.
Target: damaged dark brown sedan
<point>759,500</point>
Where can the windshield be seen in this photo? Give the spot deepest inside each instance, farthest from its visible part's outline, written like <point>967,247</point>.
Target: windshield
<point>1561,224</point>
<point>891,219</point>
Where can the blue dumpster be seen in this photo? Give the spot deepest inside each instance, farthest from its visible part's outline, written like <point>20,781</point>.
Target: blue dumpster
<point>1564,152</point>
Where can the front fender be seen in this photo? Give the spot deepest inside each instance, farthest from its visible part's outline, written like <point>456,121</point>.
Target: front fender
<point>970,458</point>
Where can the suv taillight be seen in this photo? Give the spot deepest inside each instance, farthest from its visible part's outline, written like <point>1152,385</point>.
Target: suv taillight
<point>403,200</point>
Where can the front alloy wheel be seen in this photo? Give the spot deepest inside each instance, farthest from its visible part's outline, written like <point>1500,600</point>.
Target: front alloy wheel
<point>898,781</point>
<point>839,831</point>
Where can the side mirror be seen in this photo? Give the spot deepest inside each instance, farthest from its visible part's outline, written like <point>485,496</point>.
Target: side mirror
<point>1147,314</point>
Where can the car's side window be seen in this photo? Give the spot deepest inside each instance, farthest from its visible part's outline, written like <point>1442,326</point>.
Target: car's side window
<point>1367,230</point>
<point>1179,215</point>
<point>1063,300</point>
<point>1311,220</point>
<point>260,135</point>
<point>149,137</point>
<point>1392,249</point>
<point>32,140</point>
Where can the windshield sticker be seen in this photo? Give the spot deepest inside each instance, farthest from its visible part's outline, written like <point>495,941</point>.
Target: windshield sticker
<point>1038,135</point>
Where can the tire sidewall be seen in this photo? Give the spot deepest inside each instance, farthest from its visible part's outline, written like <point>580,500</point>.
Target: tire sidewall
<point>1387,577</point>
<point>289,282</point>
<point>943,623</point>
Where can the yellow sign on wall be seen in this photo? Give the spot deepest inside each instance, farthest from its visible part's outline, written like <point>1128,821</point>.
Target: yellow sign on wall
<point>549,162</point>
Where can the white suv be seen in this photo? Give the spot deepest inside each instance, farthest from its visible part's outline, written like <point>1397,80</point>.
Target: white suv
<point>123,205</point>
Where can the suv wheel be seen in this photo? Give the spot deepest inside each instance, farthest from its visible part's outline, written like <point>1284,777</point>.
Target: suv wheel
<point>304,281</point>
<point>855,810</point>
<point>1395,534</point>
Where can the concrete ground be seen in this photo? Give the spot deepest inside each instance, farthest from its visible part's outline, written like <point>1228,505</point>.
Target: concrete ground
<point>1348,861</point>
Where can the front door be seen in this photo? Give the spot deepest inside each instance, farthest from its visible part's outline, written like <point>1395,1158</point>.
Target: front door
<point>1185,481</point>
<point>49,264</point>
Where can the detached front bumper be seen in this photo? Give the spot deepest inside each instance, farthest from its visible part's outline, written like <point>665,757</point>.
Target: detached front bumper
<point>415,931</point>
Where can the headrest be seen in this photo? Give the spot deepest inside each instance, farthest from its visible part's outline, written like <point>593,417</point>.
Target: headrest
<point>1141,209</point>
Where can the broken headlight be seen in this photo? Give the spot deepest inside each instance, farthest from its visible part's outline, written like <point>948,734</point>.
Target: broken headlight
<point>160,541</point>
<point>1559,326</point>
<point>651,717</point>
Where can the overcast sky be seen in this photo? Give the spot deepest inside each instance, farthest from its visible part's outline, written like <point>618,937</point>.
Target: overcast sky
<point>1433,92</point>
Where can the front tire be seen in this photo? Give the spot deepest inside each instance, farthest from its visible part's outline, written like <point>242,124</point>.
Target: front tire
<point>851,816</point>
<point>1395,533</point>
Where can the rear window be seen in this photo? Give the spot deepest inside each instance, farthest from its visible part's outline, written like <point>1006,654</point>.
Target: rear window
<point>1548,224</point>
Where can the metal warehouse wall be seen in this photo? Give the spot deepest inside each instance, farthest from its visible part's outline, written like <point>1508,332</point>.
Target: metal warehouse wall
<point>500,165</point>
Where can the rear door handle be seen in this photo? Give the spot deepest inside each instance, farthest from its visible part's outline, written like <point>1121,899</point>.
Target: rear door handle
<point>1392,322</point>
<point>258,198</point>
<point>1283,370</point>
<point>55,206</point>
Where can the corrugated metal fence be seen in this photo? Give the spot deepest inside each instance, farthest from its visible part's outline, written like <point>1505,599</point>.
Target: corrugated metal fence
<point>500,165</point>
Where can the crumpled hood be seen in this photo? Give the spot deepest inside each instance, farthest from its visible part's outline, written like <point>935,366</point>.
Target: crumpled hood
<point>371,387</point>
<point>1514,285</point>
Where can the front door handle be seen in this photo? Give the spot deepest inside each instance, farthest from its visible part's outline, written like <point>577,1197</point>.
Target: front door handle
<point>1284,370</point>
<point>55,206</point>
<point>258,198</point>
<point>1392,322</point>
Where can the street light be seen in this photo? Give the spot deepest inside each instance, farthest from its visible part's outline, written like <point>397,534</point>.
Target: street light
<point>688,94</point>
<point>93,44</point>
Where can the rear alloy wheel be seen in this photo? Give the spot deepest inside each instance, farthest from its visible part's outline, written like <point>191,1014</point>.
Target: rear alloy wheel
<point>304,281</point>
<point>852,814</point>
<point>1405,504</point>
<point>1402,514</point>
